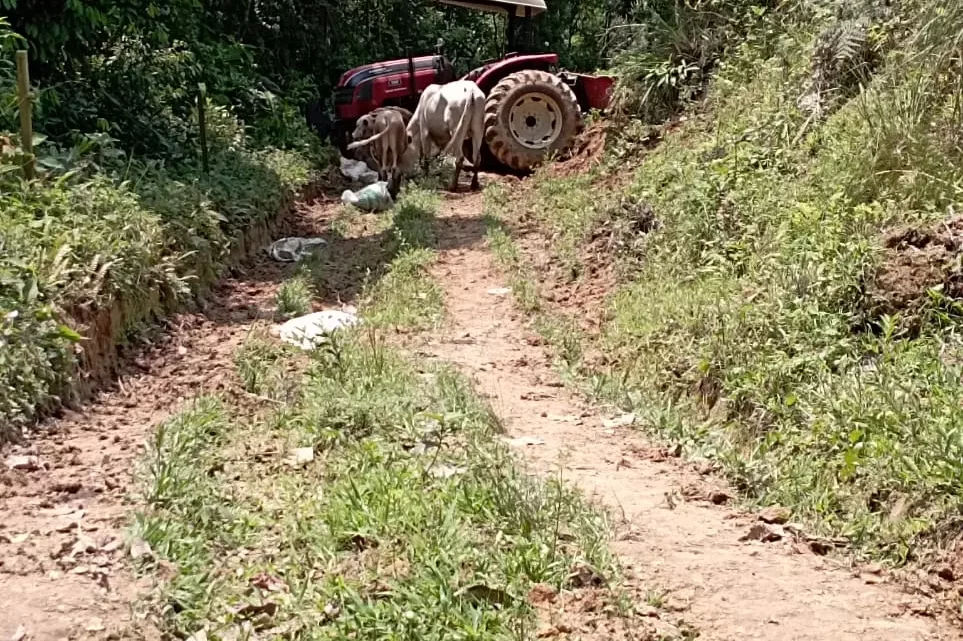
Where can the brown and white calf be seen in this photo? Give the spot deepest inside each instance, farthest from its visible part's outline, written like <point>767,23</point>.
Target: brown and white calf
<point>384,131</point>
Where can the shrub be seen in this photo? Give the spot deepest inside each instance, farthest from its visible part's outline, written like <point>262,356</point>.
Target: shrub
<point>664,57</point>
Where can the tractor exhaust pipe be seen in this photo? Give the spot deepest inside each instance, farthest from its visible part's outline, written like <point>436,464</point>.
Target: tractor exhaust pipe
<point>412,89</point>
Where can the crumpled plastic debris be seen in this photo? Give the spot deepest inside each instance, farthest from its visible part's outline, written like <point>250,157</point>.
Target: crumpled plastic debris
<point>358,171</point>
<point>310,331</point>
<point>375,197</point>
<point>294,249</point>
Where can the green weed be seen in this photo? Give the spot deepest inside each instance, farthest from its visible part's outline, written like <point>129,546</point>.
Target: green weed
<point>413,219</point>
<point>405,296</point>
<point>294,297</point>
<point>264,367</point>
<point>438,178</point>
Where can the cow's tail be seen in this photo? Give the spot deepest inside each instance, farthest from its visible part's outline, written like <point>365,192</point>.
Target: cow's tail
<point>368,141</point>
<point>461,131</point>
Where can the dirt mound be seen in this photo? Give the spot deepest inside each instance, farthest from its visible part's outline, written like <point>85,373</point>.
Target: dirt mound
<point>587,151</point>
<point>917,260</point>
<point>612,252</point>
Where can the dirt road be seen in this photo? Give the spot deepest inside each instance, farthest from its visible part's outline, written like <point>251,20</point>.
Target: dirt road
<point>62,516</point>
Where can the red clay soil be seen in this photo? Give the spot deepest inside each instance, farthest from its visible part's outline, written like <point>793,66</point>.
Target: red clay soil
<point>605,259</point>
<point>582,299</point>
<point>586,154</point>
<point>590,145</point>
<point>918,259</point>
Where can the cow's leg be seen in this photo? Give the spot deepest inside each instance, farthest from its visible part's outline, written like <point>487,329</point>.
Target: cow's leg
<point>454,181</point>
<point>394,184</point>
<point>393,173</point>
<point>423,133</point>
<point>475,162</point>
<point>474,179</point>
<point>385,165</point>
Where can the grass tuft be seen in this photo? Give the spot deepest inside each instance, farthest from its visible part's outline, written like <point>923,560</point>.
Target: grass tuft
<point>294,297</point>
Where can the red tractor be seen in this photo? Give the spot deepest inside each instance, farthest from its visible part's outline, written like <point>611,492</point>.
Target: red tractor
<point>532,108</point>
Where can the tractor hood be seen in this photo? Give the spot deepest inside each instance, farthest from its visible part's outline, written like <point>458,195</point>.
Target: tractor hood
<point>356,76</point>
<point>519,7</point>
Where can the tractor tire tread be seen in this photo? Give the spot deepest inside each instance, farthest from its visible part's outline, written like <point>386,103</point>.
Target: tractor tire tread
<point>500,141</point>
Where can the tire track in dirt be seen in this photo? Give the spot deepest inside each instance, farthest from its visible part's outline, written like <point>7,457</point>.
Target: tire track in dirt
<point>727,588</point>
<point>63,571</point>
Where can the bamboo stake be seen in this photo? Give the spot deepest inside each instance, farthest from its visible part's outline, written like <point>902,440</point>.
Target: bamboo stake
<point>25,106</point>
<point>202,123</point>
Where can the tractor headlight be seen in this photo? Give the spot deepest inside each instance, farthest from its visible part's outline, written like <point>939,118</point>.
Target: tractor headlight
<point>364,90</point>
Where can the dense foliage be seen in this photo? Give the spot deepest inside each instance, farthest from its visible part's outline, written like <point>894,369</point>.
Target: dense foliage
<point>121,223</point>
<point>131,68</point>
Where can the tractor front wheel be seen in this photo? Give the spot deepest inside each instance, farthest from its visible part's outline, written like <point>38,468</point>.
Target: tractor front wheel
<point>529,115</point>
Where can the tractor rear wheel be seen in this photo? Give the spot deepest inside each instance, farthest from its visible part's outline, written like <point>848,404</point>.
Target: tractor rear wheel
<point>528,115</point>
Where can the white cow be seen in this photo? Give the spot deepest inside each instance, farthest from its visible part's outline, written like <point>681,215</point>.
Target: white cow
<point>446,118</point>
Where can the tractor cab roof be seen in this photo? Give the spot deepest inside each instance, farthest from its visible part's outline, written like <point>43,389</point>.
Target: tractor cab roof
<point>521,8</point>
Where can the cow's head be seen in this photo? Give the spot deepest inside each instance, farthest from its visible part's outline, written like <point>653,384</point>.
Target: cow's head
<point>365,127</point>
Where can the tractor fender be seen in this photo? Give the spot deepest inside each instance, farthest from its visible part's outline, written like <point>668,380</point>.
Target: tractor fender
<point>488,76</point>
<point>592,92</point>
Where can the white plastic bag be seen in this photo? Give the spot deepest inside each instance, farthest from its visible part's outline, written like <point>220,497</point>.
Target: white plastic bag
<point>358,171</point>
<point>307,332</point>
<point>371,198</point>
<point>294,249</point>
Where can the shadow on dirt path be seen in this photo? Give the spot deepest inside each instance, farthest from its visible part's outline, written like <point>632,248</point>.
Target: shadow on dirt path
<point>727,588</point>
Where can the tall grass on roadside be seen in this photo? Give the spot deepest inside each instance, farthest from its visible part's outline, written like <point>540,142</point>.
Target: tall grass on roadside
<point>664,59</point>
<point>748,333</point>
<point>127,241</point>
